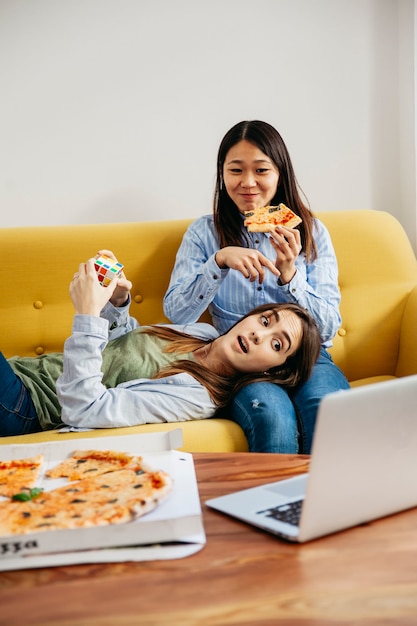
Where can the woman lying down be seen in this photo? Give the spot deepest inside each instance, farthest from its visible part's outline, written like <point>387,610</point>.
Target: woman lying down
<point>114,372</point>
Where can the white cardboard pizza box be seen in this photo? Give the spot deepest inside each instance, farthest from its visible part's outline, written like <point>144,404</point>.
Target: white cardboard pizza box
<point>173,530</point>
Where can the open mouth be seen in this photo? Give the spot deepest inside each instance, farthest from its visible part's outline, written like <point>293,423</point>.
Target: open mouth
<point>242,344</point>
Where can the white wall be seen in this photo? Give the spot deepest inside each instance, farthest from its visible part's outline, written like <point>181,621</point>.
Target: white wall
<point>112,110</point>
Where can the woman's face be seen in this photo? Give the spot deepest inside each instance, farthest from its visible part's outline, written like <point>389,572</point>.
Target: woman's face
<point>261,341</point>
<point>250,177</point>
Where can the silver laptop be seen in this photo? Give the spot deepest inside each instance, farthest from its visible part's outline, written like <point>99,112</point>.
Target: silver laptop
<point>363,466</point>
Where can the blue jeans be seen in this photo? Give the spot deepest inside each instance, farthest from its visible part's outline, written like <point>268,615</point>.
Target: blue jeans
<point>275,419</point>
<point>17,413</point>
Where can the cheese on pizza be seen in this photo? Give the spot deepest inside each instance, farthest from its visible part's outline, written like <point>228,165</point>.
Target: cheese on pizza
<point>265,219</point>
<point>108,487</point>
<point>112,498</point>
<point>85,463</point>
<point>19,474</point>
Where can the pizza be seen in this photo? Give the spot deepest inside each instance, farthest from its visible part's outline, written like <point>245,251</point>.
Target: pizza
<point>19,474</point>
<point>84,463</point>
<point>113,498</point>
<point>265,219</point>
<point>103,487</point>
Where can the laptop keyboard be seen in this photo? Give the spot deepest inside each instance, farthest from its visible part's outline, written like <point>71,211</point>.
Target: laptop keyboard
<point>289,512</point>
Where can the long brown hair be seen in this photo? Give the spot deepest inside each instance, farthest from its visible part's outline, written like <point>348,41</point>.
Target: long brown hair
<point>294,371</point>
<point>227,218</point>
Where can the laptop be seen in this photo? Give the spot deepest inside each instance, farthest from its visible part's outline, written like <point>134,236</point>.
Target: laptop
<point>363,466</point>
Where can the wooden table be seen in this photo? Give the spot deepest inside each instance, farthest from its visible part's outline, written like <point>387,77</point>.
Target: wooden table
<point>243,576</point>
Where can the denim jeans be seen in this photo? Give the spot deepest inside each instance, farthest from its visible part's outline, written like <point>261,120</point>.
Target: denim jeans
<point>17,413</point>
<point>275,419</point>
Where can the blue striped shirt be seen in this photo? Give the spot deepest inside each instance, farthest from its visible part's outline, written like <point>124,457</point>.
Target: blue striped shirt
<point>197,283</point>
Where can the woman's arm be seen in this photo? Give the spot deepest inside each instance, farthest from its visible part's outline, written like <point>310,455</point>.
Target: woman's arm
<point>120,322</point>
<point>196,277</point>
<point>87,403</point>
<point>200,269</point>
<point>112,303</point>
<point>315,286</point>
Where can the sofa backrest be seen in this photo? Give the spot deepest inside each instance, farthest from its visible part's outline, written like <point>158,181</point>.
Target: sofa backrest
<point>377,270</point>
<point>38,264</point>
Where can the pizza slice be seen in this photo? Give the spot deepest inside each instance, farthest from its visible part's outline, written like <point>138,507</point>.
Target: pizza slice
<point>19,474</point>
<point>113,498</point>
<point>265,219</point>
<point>85,463</point>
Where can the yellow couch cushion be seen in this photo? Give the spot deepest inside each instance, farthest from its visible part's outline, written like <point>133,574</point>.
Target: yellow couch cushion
<point>378,281</point>
<point>211,435</point>
<point>377,272</point>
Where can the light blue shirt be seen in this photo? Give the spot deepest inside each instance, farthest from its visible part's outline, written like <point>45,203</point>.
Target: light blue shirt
<point>197,283</point>
<point>87,403</point>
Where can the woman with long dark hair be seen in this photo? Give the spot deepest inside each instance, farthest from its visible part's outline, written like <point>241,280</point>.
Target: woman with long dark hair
<point>227,270</point>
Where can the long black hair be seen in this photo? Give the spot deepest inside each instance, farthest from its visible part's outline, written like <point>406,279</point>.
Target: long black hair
<point>227,218</point>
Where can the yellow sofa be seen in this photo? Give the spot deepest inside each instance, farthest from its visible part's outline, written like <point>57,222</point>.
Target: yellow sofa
<point>378,281</point>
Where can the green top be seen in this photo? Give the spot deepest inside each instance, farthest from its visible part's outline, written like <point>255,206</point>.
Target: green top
<point>130,357</point>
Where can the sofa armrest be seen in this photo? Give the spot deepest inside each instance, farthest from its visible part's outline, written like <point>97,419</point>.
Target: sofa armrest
<point>407,356</point>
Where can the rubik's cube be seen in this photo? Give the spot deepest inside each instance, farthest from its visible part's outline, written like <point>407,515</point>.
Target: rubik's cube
<point>107,269</point>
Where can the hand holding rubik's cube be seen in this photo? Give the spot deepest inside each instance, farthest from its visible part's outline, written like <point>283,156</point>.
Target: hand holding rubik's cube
<point>107,269</point>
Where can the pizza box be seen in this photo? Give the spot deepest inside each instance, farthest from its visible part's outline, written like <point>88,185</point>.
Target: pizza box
<point>173,530</point>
